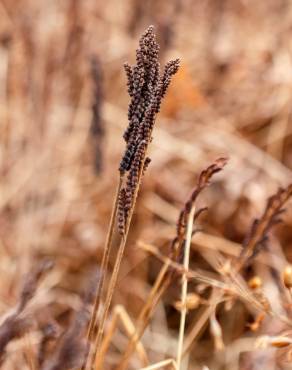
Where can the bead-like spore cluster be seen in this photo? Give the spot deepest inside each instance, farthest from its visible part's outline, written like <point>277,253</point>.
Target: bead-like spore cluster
<point>146,87</point>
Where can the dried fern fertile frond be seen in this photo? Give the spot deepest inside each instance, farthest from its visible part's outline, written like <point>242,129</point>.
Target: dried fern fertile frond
<point>258,235</point>
<point>96,128</point>
<point>146,88</point>
<point>202,183</point>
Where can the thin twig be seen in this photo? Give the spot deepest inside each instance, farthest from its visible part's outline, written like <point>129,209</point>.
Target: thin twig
<point>159,365</point>
<point>157,290</point>
<point>184,289</point>
<point>120,314</point>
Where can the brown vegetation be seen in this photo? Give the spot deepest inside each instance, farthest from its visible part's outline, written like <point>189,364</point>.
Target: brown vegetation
<point>171,280</point>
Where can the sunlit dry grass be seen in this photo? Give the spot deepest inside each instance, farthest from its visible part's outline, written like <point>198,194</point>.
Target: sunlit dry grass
<point>63,111</point>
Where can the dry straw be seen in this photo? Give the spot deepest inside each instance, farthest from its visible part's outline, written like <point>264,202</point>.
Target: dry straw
<point>179,251</point>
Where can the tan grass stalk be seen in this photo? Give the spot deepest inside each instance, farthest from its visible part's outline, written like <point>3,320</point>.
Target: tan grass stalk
<point>114,277</point>
<point>197,328</point>
<point>29,353</point>
<point>157,291</point>
<point>163,277</point>
<point>184,289</point>
<point>103,267</point>
<point>105,261</point>
<point>164,364</point>
<point>255,239</point>
<point>120,314</point>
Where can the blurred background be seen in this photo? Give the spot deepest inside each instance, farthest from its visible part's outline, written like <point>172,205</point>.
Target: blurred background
<point>63,110</point>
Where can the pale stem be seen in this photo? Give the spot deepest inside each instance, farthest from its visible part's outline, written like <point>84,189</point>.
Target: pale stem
<point>184,290</point>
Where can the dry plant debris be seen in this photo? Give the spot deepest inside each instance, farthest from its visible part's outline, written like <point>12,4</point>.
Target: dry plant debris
<point>205,290</point>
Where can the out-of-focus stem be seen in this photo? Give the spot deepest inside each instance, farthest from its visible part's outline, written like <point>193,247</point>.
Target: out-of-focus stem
<point>184,290</point>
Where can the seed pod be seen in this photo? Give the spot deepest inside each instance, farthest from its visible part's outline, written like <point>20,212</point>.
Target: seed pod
<point>280,341</point>
<point>192,302</point>
<point>254,326</point>
<point>266,341</point>
<point>287,276</point>
<point>255,283</point>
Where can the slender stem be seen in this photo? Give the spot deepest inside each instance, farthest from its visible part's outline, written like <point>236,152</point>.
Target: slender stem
<point>116,268</point>
<point>107,303</point>
<point>161,364</point>
<point>197,328</point>
<point>120,314</point>
<point>184,290</point>
<point>142,317</point>
<point>103,267</point>
<point>153,292</point>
